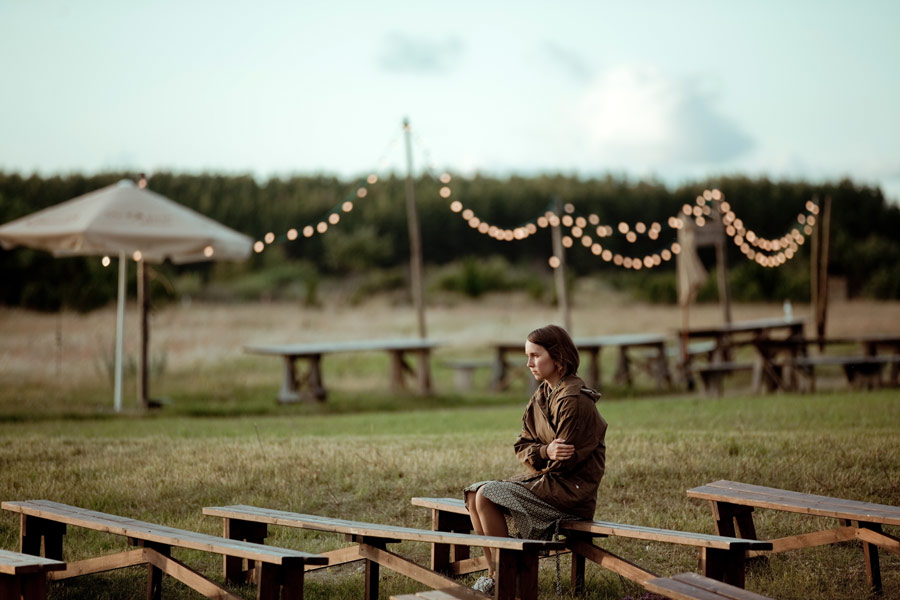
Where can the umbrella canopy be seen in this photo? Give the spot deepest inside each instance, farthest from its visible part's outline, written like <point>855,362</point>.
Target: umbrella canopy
<point>123,218</point>
<point>128,221</point>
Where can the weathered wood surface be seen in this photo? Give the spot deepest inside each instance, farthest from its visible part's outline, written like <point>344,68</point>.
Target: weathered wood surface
<point>625,530</point>
<point>373,530</point>
<point>312,349</point>
<point>824,506</point>
<point>16,563</point>
<point>160,534</point>
<point>733,502</point>
<point>690,586</point>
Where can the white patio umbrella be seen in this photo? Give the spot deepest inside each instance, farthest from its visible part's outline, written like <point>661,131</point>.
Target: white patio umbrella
<point>130,222</point>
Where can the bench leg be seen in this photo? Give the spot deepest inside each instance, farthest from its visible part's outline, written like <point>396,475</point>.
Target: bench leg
<point>35,530</point>
<point>517,575</point>
<point>733,520</point>
<point>443,554</point>
<point>723,565</point>
<point>578,574</point>
<point>870,552</point>
<point>245,531</point>
<point>154,573</point>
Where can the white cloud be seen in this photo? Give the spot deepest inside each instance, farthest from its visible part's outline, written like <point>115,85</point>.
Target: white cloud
<point>638,117</point>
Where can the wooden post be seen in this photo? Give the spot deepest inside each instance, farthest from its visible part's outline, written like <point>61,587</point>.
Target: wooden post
<point>559,274</point>
<point>120,327</point>
<point>825,234</point>
<point>814,287</point>
<point>415,242</point>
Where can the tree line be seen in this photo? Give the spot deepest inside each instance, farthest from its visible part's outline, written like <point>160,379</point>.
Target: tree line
<point>373,237</point>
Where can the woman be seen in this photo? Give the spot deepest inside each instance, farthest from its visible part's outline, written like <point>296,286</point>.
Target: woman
<point>561,445</point>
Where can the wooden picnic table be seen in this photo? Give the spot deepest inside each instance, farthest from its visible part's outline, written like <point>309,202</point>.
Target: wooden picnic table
<point>657,364</point>
<point>305,386</point>
<point>797,360</point>
<point>757,333</point>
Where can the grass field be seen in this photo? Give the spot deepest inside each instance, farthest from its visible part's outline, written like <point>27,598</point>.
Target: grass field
<point>221,439</point>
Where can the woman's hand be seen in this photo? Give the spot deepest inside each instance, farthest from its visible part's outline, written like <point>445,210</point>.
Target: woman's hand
<point>560,450</point>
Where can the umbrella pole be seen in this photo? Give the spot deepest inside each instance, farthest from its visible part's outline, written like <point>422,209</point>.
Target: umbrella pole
<point>120,325</point>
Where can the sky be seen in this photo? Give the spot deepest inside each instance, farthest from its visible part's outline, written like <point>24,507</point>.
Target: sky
<point>676,91</point>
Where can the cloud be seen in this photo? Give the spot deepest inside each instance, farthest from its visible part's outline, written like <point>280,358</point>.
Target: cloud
<point>570,62</point>
<point>404,53</point>
<point>640,117</point>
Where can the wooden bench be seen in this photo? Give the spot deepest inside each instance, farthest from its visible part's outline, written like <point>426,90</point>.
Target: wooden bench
<point>464,372</point>
<point>713,374</point>
<point>733,503</point>
<point>517,559</point>
<point>23,576</point>
<point>860,371</point>
<point>690,586</point>
<point>310,385</point>
<point>279,574</point>
<point>721,558</point>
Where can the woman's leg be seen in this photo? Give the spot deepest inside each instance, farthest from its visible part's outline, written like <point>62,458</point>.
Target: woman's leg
<point>487,519</point>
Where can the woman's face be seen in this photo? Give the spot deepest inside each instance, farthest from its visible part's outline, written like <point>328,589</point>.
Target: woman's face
<point>539,362</point>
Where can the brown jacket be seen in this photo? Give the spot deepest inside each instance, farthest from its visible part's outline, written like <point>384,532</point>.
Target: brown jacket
<point>568,413</point>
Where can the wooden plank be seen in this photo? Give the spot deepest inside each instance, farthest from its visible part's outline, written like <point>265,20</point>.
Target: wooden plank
<point>663,535</point>
<point>151,532</point>
<point>188,576</point>
<point>723,589</point>
<point>359,528</point>
<point>419,573</point>
<point>101,564</point>
<point>17,563</point>
<point>468,565</point>
<point>690,586</point>
<point>338,557</point>
<point>611,562</point>
<point>879,538</point>
<point>810,540</point>
<point>825,506</point>
<point>303,350</point>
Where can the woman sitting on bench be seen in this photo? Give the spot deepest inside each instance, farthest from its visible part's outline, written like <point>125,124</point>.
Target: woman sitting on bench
<point>561,445</point>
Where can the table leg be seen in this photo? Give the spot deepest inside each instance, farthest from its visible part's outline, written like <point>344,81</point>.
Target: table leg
<point>498,380</point>
<point>623,370</point>
<point>870,552</point>
<point>424,372</point>
<point>289,392</point>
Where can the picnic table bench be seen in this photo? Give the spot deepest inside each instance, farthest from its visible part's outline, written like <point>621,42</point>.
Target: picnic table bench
<point>860,371</point>
<point>721,558</point>
<point>517,558</point>
<point>280,572</point>
<point>591,347</point>
<point>713,374</point>
<point>310,385</point>
<point>23,576</point>
<point>733,503</point>
<point>690,586</point>
<point>755,332</point>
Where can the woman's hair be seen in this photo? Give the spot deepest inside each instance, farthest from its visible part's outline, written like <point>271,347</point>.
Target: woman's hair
<point>559,345</point>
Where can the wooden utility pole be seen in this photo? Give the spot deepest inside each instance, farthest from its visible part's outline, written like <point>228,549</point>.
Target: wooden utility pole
<point>559,275</point>
<point>415,241</point>
<point>824,233</point>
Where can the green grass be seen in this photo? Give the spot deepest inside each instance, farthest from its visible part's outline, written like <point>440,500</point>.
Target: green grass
<point>364,453</point>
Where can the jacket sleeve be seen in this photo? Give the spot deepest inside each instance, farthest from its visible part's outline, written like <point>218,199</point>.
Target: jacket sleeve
<point>530,450</point>
<point>576,422</point>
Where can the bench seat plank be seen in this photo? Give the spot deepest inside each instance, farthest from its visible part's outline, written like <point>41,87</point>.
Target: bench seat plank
<point>787,500</point>
<point>358,528</point>
<point>690,586</point>
<point>621,529</point>
<point>16,563</point>
<point>160,534</point>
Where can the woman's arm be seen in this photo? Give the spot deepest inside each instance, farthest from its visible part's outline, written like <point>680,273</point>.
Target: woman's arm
<point>576,422</point>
